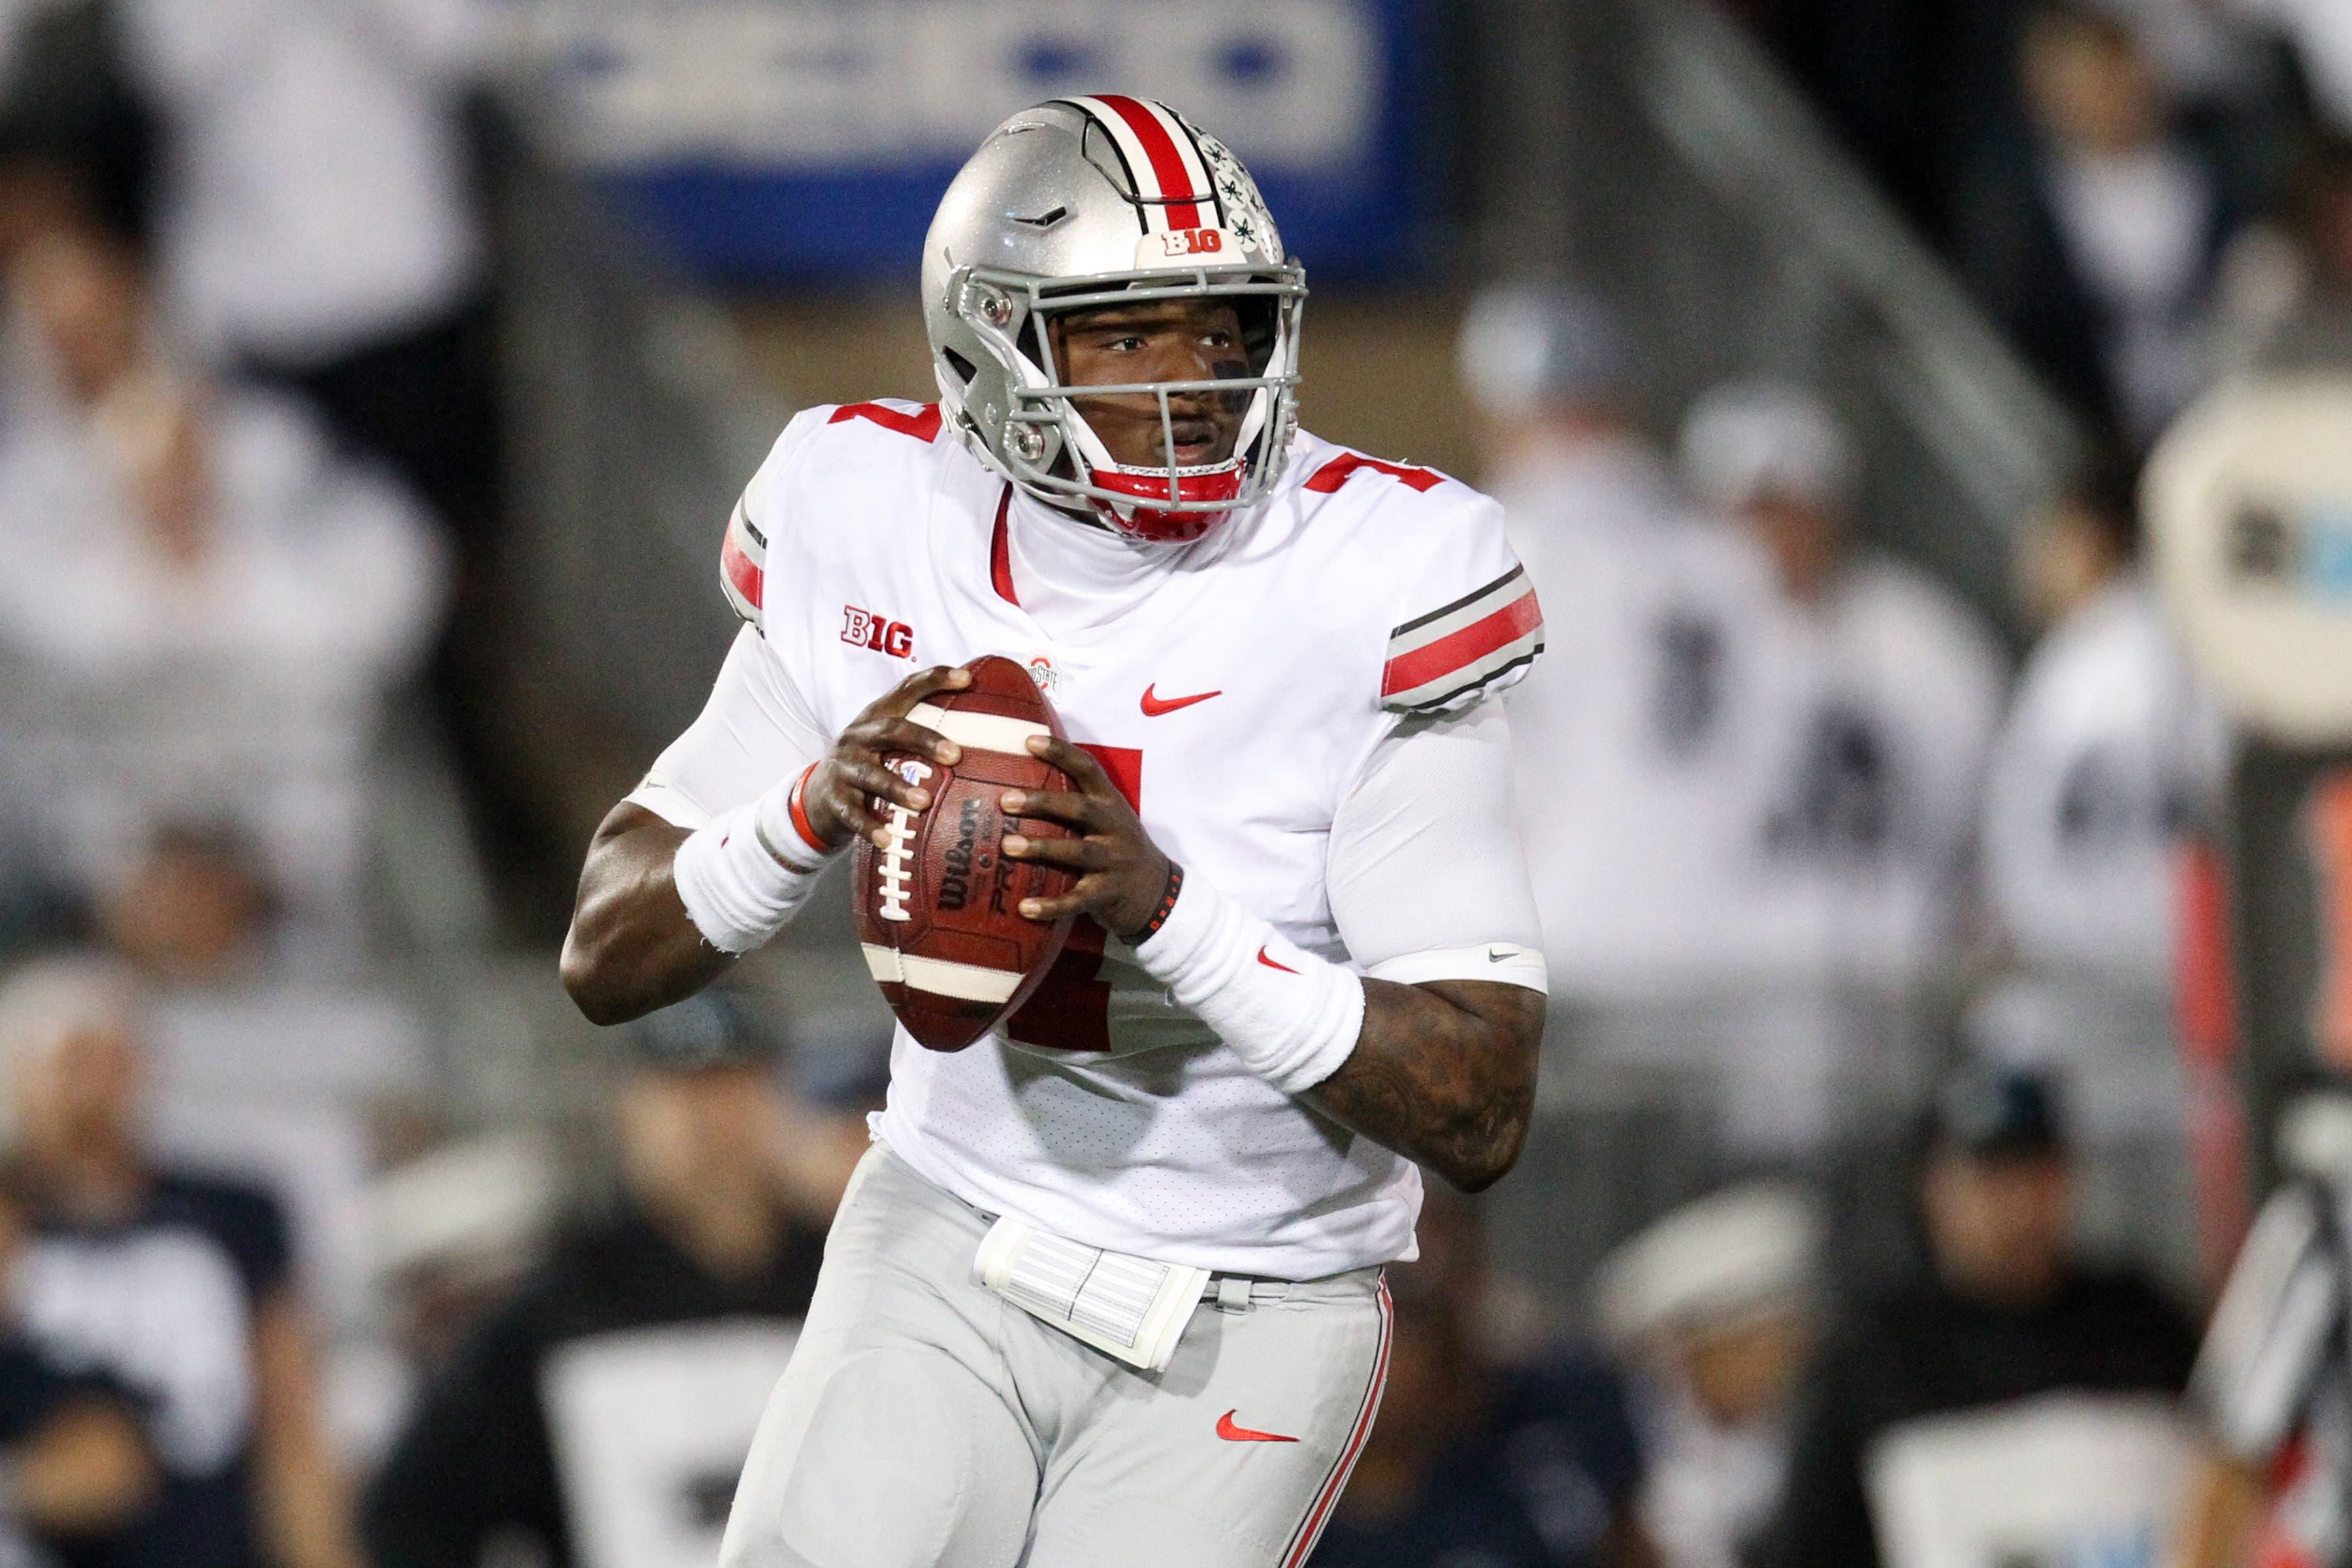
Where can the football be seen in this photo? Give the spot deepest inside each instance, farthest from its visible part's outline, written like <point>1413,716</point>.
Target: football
<point>938,911</point>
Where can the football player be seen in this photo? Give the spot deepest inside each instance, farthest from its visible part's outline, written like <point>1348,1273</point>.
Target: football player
<point>1108,1287</point>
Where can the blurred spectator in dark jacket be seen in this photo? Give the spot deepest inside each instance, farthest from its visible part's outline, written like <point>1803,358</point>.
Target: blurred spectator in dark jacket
<point>2009,1404</point>
<point>73,1463</point>
<point>172,1286</point>
<point>605,1413</point>
<point>2320,32</point>
<point>2095,240</point>
<point>1714,1305</point>
<point>1472,1461</point>
<point>2287,301</point>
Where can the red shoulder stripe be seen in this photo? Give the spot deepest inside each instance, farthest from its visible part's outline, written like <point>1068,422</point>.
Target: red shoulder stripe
<point>1456,649</point>
<point>748,579</point>
<point>923,424</point>
<point>744,566</point>
<point>1328,479</point>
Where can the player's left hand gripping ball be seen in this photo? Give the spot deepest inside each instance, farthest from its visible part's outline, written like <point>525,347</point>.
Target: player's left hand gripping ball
<point>938,902</point>
<point>1121,876</point>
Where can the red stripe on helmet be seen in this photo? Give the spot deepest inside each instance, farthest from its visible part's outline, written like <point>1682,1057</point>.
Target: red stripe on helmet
<point>1183,202</point>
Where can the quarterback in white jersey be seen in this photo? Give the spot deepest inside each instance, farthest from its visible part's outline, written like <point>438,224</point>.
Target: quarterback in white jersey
<point>1307,957</point>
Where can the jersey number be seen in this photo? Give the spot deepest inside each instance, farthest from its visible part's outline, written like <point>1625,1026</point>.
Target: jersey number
<point>1070,1011</point>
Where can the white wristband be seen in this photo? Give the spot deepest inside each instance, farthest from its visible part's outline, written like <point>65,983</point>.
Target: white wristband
<point>1292,1017</point>
<point>744,874</point>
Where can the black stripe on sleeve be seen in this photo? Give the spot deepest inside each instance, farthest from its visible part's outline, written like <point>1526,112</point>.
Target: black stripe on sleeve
<point>1444,610</point>
<point>1433,703</point>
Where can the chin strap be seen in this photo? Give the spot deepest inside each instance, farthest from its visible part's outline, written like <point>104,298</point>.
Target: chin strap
<point>1210,483</point>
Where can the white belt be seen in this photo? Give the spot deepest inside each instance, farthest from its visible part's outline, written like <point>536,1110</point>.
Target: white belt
<point>1132,1307</point>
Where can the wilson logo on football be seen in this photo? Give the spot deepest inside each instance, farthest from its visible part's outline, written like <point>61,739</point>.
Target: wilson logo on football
<point>864,628</point>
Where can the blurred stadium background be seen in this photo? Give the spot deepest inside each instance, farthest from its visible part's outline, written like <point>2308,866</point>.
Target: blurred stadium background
<point>378,377</point>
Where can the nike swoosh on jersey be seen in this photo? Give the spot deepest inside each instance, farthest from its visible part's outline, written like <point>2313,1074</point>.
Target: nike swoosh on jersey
<point>1271,963</point>
<point>1155,705</point>
<point>1232,1434</point>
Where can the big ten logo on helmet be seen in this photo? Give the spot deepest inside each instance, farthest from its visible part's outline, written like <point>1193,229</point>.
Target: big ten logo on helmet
<point>1191,241</point>
<point>864,628</point>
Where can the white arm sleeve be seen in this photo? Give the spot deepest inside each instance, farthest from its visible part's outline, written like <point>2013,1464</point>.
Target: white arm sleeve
<point>1427,880</point>
<point>756,729</point>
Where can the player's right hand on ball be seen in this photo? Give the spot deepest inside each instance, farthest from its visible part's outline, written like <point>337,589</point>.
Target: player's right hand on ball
<point>840,796</point>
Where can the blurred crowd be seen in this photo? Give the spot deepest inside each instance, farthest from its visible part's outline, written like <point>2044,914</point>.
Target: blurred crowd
<point>2145,194</point>
<point>266,1297</point>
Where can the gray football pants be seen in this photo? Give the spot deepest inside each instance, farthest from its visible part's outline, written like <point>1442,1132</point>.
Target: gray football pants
<point>926,1420</point>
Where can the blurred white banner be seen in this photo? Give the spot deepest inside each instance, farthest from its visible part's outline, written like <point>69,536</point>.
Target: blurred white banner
<point>2065,1480</point>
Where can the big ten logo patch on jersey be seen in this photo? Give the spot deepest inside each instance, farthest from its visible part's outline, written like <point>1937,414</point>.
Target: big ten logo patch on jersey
<point>864,628</point>
<point>2327,831</point>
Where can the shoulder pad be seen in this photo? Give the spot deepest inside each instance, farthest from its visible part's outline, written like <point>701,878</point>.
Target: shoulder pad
<point>767,503</point>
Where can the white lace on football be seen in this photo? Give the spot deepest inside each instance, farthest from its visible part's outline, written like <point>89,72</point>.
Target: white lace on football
<point>895,871</point>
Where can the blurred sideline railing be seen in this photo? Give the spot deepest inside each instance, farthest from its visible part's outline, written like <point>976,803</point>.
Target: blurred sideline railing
<point>1672,165</point>
<point>632,427</point>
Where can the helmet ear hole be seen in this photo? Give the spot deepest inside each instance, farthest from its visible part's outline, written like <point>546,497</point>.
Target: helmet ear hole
<point>965,369</point>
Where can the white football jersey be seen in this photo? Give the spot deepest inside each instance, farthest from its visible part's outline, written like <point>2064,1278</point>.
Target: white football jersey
<point>2109,756</point>
<point>1235,688</point>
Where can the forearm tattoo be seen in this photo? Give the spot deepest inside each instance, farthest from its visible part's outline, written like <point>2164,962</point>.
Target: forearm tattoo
<point>1445,1074</point>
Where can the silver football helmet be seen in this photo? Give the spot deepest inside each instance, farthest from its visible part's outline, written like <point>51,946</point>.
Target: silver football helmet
<point>1086,202</point>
